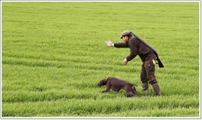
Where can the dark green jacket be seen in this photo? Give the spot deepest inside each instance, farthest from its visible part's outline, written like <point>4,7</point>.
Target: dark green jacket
<point>136,48</point>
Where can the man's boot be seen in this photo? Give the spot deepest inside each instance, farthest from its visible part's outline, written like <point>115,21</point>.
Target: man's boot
<point>145,87</point>
<point>157,90</point>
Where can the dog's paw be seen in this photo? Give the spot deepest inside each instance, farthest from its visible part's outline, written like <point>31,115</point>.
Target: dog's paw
<point>104,91</point>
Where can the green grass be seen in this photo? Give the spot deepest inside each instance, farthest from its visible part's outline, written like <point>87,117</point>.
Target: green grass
<point>53,56</point>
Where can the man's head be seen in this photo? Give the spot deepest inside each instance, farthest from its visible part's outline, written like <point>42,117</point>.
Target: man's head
<point>126,34</point>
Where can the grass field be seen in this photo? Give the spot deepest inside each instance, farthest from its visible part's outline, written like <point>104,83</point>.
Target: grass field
<point>53,56</point>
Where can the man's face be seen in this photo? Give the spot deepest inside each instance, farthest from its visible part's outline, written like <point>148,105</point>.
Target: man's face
<point>125,39</point>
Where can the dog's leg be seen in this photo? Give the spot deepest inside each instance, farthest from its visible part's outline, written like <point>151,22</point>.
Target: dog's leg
<point>134,90</point>
<point>108,86</point>
<point>131,94</point>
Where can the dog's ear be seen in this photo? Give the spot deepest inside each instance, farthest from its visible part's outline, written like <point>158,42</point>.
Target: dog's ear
<point>102,82</point>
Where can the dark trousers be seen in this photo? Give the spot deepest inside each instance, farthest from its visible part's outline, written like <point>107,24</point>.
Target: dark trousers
<point>148,71</point>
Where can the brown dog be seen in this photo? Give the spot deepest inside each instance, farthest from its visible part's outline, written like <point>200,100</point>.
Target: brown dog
<point>117,84</point>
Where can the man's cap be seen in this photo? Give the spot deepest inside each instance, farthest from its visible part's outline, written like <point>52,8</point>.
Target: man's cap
<point>124,33</point>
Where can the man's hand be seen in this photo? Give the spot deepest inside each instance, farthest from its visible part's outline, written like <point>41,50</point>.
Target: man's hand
<point>109,43</point>
<point>125,62</point>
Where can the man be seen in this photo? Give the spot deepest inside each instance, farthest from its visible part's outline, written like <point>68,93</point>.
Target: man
<point>148,57</point>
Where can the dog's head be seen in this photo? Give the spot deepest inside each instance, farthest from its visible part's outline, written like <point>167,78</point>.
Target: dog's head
<point>102,82</point>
